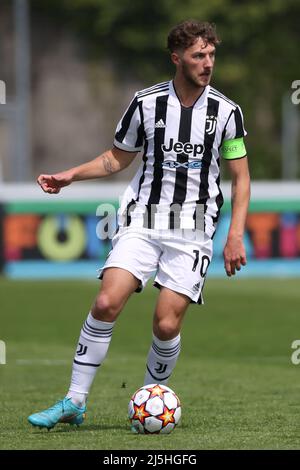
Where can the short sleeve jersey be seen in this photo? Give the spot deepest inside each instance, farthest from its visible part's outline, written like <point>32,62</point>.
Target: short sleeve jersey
<point>182,146</point>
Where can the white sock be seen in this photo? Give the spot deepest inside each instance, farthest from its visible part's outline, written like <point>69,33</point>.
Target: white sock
<point>161,361</point>
<point>91,351</point>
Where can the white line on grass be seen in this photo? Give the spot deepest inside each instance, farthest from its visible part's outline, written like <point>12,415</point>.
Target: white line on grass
<point>42,362</point>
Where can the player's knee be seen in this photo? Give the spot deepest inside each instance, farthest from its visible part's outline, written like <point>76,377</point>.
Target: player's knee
<point>165,329</point>
<point>106,308</point>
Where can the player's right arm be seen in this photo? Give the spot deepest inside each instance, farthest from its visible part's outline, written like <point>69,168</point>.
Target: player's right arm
<point>109,162</point>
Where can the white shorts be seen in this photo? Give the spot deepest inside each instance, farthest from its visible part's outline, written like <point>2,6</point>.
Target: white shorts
<point>177,263</point>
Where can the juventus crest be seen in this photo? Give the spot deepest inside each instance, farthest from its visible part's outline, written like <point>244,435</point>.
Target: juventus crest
<point>211,123</point>
<point>161,369</point>
<point>81,351</point>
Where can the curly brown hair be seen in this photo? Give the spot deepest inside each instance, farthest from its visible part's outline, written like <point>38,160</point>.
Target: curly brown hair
<point>186,33</point>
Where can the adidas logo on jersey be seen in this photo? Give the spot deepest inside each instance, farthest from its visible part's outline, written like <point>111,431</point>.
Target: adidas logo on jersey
<point>160,124</point>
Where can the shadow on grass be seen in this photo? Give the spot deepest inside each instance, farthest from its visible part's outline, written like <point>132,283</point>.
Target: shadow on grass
<point>91,427</point>
<point>88,427</point>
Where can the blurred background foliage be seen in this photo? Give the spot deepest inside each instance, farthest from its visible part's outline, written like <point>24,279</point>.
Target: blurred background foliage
<point>256,62</point>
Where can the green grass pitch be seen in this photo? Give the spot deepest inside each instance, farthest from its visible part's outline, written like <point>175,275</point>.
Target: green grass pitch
<point>237,384</point>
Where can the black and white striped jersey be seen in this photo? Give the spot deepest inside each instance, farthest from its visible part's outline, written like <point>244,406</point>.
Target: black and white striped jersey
<point>179,177</point>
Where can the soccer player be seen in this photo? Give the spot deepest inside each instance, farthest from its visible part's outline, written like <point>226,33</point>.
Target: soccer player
<point>169,211</point>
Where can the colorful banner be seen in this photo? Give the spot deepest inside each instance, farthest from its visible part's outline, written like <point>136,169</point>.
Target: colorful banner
<point>52,240</point>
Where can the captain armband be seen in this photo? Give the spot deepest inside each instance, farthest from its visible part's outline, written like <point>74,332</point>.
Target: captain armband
<point>233,148</point>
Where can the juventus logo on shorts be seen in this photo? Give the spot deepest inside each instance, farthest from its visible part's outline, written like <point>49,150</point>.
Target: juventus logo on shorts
<point>81,351</point>
<point>211,123</point>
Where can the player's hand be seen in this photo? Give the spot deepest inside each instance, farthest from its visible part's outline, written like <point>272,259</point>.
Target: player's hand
<point>52,184</point>
<point>234,255</point>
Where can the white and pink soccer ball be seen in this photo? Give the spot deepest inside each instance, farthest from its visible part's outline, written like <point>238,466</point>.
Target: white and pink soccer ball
<point>154,409</point>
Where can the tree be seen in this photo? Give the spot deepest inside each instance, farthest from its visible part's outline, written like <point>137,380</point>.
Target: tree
<point>257,62</point>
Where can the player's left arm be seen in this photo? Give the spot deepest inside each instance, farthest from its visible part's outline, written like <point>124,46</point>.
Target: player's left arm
<point>234,251</point>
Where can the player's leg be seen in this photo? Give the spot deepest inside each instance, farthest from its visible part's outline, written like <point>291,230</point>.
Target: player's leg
<point>181,275</point>
<point>128,267</point>
<point>95,336</point>
<point>92,348</point>
<point>164,351</point>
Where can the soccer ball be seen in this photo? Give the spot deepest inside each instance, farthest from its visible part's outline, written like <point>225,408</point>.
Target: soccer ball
<point>154,409</point>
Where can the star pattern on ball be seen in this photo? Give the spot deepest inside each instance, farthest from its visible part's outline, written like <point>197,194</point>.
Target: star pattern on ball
<point>167,416</point>
<point>156,391</point>
<point>140,413</point>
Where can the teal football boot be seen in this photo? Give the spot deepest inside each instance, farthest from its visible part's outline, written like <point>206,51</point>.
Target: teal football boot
<point>64,411</point>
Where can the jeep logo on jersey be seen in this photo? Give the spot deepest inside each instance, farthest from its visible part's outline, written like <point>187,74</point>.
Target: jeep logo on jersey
<point>187,148</point>
<point>211,123</point>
